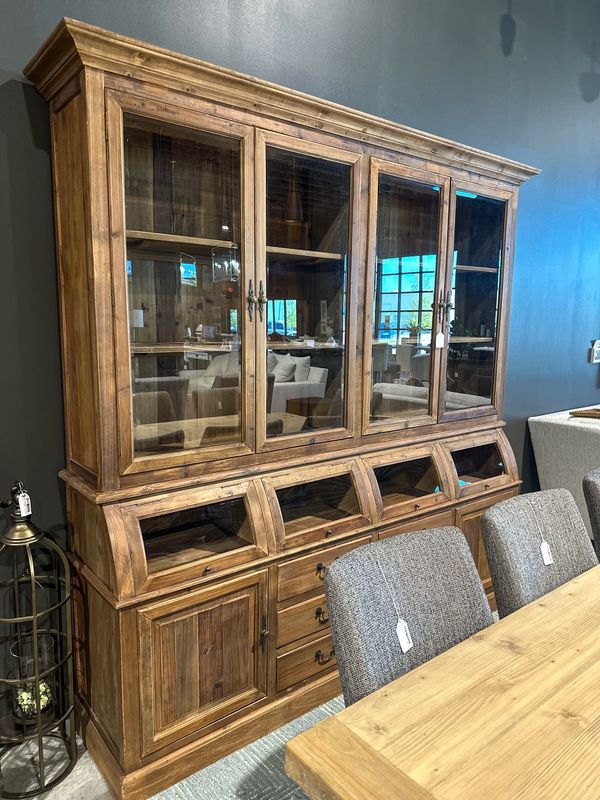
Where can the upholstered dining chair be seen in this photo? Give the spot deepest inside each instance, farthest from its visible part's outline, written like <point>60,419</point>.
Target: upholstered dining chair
<point>591,492</point>
<point>428,579</point>
<point>514,532</point>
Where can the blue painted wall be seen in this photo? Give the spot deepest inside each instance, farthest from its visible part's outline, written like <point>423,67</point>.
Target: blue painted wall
<point>437,65</point>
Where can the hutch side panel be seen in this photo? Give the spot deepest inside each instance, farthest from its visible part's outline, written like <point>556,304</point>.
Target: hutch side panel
<point>74,264</point>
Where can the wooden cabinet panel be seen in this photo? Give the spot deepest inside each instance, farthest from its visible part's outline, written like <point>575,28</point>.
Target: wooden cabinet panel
<point>306,573</point>
<point>202,656</point>
<point>440,520</point>
<point>304,662</point>
<point>302,619</point>
<point>468,519</point>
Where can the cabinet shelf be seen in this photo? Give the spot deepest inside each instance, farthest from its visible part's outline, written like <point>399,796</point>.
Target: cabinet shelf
<point>470,339</point>
<point>152,240</point>
<point>471,268</point>
<point>290,251</point>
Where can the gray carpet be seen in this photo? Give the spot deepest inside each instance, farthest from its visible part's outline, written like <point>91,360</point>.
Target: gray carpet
<point>255,772</point>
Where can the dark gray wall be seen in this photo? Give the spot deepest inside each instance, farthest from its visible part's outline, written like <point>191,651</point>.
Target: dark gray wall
<point>437,65</point>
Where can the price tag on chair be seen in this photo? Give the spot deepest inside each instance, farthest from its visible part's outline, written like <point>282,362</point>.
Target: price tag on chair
<point>404,637</point>
<point>546,553</point>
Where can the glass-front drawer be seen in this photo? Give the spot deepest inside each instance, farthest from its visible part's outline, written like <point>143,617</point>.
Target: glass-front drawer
<point>195,533</point>
<point>406,484</point>
<point>479,464</point>
<point>313,504</point>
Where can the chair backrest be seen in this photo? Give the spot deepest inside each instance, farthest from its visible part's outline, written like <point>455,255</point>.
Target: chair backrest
<point>428,578</point>
<point>513,532</point>
<point>591,492</point>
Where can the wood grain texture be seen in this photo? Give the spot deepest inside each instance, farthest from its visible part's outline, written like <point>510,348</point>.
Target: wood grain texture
<point>206,639</point>
<point>511,713</point>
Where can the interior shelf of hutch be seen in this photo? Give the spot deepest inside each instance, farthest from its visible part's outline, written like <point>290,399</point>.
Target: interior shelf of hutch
<point>194,534</point>
<point>478,463</point>
<point>291,251</point>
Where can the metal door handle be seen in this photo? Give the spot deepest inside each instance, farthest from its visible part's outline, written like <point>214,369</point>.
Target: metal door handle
<point>251,299</point>
<point>262,301</point>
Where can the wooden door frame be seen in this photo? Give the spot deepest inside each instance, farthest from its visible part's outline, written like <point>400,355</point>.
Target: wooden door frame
<point>117,104</point>
<point>310,145</point>
<point>495,192</point>
<point>147,617</point>
<point>380,166</point>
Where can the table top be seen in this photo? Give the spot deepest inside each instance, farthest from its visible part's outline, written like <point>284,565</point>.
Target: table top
<point>511,713</point>
<point>564,418</point>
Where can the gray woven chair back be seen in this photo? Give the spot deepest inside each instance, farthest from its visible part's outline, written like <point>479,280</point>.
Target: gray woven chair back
<point>428,578</point>
<point>513,531</point>
<point>591,491</point>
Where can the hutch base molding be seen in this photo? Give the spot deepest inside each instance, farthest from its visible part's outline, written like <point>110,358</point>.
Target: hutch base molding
<point>283,329</point>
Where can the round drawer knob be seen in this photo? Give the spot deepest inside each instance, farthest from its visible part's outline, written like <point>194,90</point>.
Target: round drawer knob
<point>417,506</point>
<point>207,570</point>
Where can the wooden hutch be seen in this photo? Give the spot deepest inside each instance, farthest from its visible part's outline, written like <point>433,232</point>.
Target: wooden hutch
<point>284,331</point>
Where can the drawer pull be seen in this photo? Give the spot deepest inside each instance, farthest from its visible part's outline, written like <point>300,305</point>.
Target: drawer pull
<point>486,486</point>
<point>323,658</point>
<point>329,532</point>
<point>417,506</point>
<point>321,616</point>
<point>320,570</point>
<point>206,570</point>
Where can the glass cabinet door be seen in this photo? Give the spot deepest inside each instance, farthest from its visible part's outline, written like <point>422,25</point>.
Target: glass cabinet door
<point>408,218</point>
<point>472,300</point>
<point>303,302</point>
<point>184,278</point>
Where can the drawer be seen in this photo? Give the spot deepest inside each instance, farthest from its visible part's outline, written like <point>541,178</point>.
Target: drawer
<point>306,573</point>
<point>305,662</point>
<point>302,619</point>
<point>442,519</point>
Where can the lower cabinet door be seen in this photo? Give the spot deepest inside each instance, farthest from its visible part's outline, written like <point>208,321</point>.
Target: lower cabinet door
<point>468,519</point>
<point>202,657</point>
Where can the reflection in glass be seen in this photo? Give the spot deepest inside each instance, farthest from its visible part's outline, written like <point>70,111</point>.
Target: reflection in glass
<point>195,533</point>
<point>478,463</point>
<point>405,281</point>
<point>307,277</point>
<point>183,267</point>
<point>407,480</point>
<point>310,505</point>
<point>473,308</point>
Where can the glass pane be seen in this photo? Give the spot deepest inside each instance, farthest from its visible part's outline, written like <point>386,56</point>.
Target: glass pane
<point>473,315</point>
<point>195,533</point>
<point>307,278</point>
<point>406,265</point>
<point>477,463</point>
<point>314,504</point>
<point>407,480</point>
<point>182,209</point>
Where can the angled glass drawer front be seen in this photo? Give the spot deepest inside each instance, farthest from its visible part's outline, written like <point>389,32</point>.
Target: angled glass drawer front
<point>477,464</point>
<point>312,504</point>
<point>194,534</point>
<point>409,480</point>
<point>404,484</point>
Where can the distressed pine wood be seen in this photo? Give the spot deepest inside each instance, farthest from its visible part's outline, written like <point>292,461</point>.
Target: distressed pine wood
<point>468,739</point>
<point>186,653</point>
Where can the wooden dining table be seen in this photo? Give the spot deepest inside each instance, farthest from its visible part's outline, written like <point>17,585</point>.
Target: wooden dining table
<point>511,713</point>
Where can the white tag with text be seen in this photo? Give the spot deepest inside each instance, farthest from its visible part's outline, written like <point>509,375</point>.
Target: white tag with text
<point>546,553</point>
<point>24,504</point>
<point>404,636</point>
<point>439,340</point>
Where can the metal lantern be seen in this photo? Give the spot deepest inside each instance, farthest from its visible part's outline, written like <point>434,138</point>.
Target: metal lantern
<point>38,746</point>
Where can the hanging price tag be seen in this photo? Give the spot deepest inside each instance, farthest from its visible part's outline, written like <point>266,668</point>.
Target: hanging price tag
<point>24,504</point>
<point>546,553</point>
<point>404,636</point>
<point>439,340</point>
